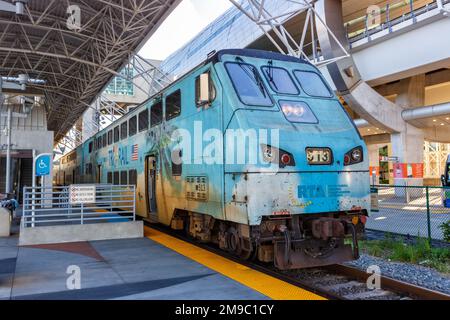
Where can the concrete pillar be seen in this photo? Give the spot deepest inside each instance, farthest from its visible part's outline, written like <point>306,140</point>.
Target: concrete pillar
<point>374,159</point>
<point>408,145</point>
<point>411,92</point>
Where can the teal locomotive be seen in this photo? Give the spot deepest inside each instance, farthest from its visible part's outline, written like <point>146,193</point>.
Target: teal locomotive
<point>251,150</point>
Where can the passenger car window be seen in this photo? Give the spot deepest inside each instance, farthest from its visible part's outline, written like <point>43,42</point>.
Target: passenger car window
<point>116,134</point>
<point>248,84</point>
<point>124,130</point>
<point>156,114</point>
<point>124,177</point>
<point>110,138</point>
<point>279,80</point>
<point>132,177</point>
<point>143,120</point>
<point>132,126</point>
<point>116,178</point>
<point>173,105</point>
<point>312,84</point>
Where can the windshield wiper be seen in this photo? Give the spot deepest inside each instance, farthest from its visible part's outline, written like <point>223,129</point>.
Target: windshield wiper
<point>254,76</point>
<point>269,73</point>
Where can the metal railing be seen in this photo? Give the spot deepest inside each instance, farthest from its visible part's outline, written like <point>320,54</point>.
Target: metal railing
<point>50,206</point>
<point>414,211</point>
<point>411,14</point>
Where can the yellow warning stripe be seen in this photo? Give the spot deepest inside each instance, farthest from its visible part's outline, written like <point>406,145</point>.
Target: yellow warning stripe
<point>269,286</point>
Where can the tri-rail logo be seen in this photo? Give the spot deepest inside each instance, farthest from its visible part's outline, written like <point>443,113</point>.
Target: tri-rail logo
<point>322,191</point>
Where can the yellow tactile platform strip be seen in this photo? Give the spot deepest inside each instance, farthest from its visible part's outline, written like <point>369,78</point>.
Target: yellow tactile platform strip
<point>269,286</point>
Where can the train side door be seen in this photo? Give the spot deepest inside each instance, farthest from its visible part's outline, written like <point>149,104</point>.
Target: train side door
<point>151,166</point>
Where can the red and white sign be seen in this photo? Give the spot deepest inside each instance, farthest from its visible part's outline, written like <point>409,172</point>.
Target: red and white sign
<point>408,170</point>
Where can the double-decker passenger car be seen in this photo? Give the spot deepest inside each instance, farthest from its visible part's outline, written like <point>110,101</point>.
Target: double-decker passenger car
<point>251,150</point>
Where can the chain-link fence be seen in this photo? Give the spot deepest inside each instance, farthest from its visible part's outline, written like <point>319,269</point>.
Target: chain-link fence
<point>411,211</point>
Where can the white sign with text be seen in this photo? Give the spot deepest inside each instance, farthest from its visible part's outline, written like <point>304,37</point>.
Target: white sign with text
<point>82,194</point>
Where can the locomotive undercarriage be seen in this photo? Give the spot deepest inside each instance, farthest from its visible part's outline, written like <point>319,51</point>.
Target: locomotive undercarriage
<point>290,242</point>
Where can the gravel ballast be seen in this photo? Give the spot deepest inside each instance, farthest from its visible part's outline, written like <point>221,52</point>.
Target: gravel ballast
<point>415,274</point>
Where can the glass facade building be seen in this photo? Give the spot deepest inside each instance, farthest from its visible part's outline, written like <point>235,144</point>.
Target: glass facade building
<point>120,85</point>
<point>232,30</point>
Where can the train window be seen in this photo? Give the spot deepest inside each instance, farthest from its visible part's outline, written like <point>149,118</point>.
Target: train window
<point>116,177</point>
<point>143,120</point>
<point>99,143</point>
<point>132,127</point>
<point>116,134</point>
<point>156,114</point>
<point>212,90</point>
<point>248,84</point>
<point>132,177</point>
<point>89,169</point>
<point>109,177</point>
<point>280,80</point>
<point>124,130</point>
<point>110,138</point>
<point>124,177</point>
<point>90,147</point>
<point>104,144</point>
<point>312,84</point>
<point>177,165</point>
<point>173,105</point>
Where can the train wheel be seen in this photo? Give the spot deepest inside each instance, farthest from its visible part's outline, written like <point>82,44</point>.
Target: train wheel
<point>237,245</point>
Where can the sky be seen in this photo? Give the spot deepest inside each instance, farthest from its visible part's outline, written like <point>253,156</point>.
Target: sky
<point>184,23</point>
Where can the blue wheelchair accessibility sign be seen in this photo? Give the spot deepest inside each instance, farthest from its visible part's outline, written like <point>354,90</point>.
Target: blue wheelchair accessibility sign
<point>43,165</point>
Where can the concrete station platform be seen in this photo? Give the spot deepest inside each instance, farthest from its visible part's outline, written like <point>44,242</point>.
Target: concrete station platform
<point>155,267</point>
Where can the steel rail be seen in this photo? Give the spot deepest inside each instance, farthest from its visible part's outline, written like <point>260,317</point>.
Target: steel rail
<point>397,287</point>
<point>391,284</point>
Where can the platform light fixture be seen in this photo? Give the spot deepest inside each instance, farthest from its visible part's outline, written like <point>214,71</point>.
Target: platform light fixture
<point>18,6</point>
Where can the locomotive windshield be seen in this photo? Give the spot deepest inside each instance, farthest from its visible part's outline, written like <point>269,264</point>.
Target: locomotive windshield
<point>280,80</point>
<point>248,84</point>
<point>312,84</point>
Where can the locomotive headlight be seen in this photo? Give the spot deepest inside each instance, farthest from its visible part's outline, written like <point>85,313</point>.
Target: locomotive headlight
<point>270,154</point>
<point>357,155</point>
<point>277,156</point>
<point>354,156</point>
<point>297,111</point>
<point>293,110</point>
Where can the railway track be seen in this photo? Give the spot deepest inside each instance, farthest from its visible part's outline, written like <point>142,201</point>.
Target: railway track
<point>336,282</point>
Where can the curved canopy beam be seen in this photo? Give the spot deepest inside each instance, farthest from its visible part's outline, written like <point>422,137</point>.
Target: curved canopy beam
<point>360,97</point>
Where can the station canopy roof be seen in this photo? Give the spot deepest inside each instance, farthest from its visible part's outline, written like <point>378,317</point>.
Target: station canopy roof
<point>75,65</point>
